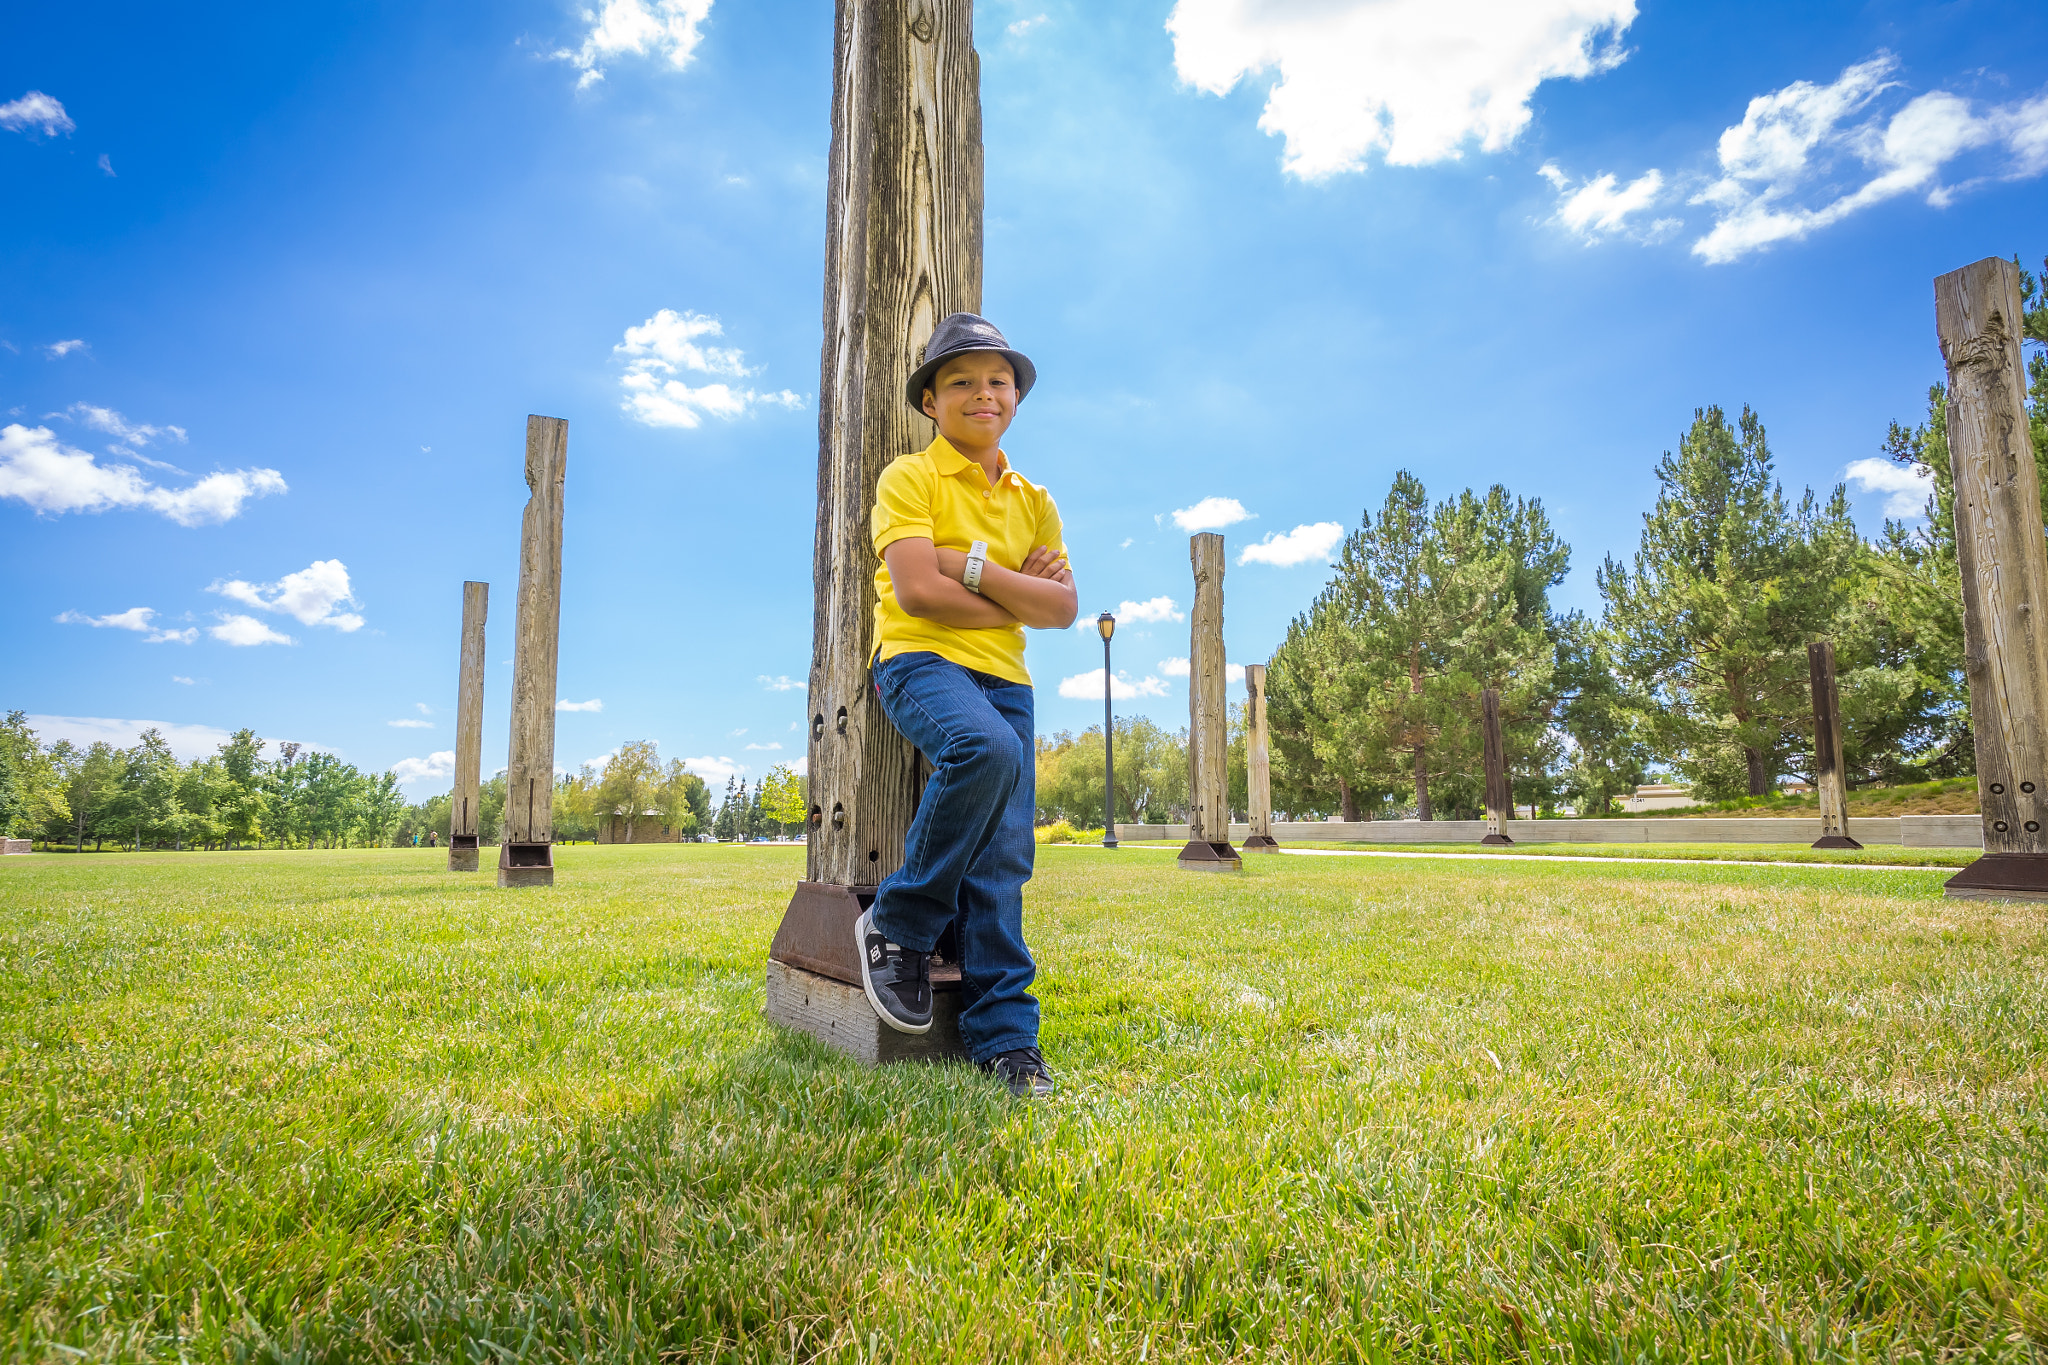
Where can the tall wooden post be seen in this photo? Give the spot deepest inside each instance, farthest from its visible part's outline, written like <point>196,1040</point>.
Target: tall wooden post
<point>469,731</point>
<point>2004,563</point>
<point>1496,760</point>
<point>1208,848</point>
<point>526,854</point>
<point>1258,767</point>
<point>903,211</point>
<point>1828,783</point>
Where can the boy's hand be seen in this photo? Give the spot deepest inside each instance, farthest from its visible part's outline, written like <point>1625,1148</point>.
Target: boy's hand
<point>1043,563</point>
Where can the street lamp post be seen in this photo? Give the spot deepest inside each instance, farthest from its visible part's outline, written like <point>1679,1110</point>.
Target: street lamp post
<point>1106,623</point>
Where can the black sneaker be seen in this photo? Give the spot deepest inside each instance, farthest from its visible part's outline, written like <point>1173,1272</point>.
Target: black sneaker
<point>898,980</point>
<point>1023,1070</point>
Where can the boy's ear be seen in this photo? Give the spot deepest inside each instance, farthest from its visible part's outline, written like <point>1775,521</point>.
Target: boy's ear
<point>930,404</point>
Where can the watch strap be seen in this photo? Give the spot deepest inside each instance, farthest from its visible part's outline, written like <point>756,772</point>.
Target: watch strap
<point>977,557</point>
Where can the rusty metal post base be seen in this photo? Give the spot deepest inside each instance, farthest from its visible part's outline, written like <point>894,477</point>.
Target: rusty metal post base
<point>814,981</point>
<point>1260,843</point>
<point>526,864</point>
<point>1835,841</point>
<point>1201,855</point>
<point>463,853</point>
<point>2002,877</point>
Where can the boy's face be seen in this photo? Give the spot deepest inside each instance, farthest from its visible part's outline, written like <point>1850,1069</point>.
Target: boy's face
<point>973,397</point>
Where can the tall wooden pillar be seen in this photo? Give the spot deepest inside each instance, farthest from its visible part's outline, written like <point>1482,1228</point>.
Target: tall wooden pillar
<point>1828,783</point>
<point>526,849</point>
<point>1208,848</point>
<point>469,731</point>
<point>2004,562</point>
<point>1258,765</point>
<point>903,212</point>
<point>1495,756</point>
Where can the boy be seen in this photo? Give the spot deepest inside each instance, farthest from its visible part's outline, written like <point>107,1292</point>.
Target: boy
<point>971,554</point>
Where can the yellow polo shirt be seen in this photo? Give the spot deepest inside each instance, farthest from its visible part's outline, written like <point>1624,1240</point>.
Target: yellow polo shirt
<point>943,496</point>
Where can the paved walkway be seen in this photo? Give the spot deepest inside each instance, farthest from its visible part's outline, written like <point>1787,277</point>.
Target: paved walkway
<point>1554,858</point>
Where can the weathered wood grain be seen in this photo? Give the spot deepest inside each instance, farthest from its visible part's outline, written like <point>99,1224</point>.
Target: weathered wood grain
<point>1208,730</point>
<point>2003,557</point>
<point>1258,765</point>
<point>1496,763</point>
<point>903,248</point>
<point>469,731</point>
<point>840,1016</point>
<point>1828,784</point>
<point>530,763</point>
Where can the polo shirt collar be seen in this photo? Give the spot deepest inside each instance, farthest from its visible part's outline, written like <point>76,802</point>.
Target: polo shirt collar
<point>951,461</point>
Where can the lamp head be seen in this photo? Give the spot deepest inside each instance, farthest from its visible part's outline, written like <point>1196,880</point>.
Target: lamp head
<point>1107,625</point>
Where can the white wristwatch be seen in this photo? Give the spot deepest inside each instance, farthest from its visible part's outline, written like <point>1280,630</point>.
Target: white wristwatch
<point>977,556</point>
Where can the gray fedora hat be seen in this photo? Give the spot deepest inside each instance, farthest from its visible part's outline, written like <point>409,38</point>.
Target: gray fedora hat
<point>957,335</point>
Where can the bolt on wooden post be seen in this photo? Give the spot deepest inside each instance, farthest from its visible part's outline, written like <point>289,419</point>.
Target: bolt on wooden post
<point>1208,848</point>
<point>469,731</point>
<point>526,855</point>
<point>1828,783</point>
<point>2004,562</point>
<point>1495,757</point>
<point>1258,765</point>
<point>903,240</point>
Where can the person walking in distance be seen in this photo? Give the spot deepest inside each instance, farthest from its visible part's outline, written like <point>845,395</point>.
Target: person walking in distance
<point>972,553</point>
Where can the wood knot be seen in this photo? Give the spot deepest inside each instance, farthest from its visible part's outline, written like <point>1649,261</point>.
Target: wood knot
<point>1988,348</point>
<point>921,25</point>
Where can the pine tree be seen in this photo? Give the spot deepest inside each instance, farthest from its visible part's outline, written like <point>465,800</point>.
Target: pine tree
<point>1729,586</point>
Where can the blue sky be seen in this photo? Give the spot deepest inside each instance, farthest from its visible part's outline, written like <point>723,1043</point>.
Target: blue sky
<point>278,288</point>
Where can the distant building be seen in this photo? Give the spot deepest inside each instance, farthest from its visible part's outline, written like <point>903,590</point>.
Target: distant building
<point>1658,796</point>
<point>645,828</point>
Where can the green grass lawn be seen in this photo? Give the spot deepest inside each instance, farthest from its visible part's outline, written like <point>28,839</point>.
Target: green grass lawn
<point>349,1106</point>
<point>1885,855</point>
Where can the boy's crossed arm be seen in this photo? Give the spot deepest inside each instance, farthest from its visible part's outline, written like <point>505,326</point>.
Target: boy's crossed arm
<point>928,583</point>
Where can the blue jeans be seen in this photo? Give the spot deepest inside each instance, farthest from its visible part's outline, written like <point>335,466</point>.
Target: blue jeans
<point>970,846</point>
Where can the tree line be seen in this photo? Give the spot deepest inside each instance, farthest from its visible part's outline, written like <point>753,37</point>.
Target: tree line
<point>250,794</point>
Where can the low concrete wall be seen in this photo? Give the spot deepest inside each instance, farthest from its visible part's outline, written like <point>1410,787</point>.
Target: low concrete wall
<point>17,846</point>
<point>1911,831</point>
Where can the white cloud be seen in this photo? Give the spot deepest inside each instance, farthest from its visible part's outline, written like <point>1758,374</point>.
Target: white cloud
<point>1127,542</point>
<point>1299,546</point>
<point>1602,206</point>
<point>440,765</point>
<point>1024,26</point>
<point>1783,166</point>
<point>781,683</point>
<point>107,165</point>
<point>57,350</point>
<point>311,595</point>
<point>714,768</point>
<point>186,741</point>
<point>1412,79</point>
<point>35,110</point>
<point>237,629</point>
<point>666,343</point>
<point>136,619</point>
<point>1905,487</point>
<point>771,744</point>
<point>1178,668</point>
<point>564,704</point>
<point>1127,612</point>
<point>423,708</point>
<point>129,437</point>
<point>179,678</point>
<point>1088,686</point>
<point>1211,514</point>
<point>54,478</point>
<point>410,724</point>
<point>668,29</point>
